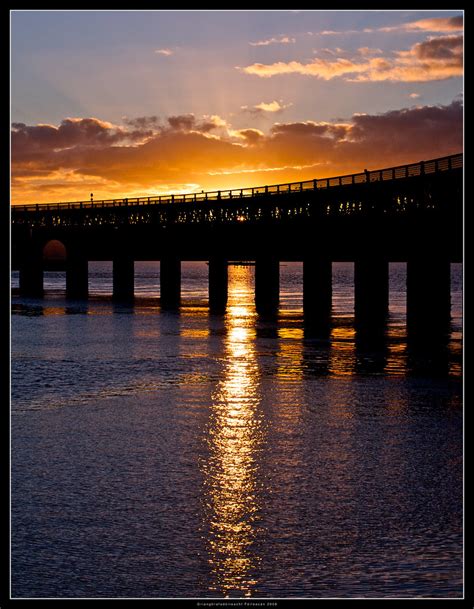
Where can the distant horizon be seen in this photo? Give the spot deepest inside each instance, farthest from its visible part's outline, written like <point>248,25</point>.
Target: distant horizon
<point>150,103</point>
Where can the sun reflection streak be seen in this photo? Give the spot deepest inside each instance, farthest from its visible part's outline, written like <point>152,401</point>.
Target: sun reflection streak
<point>235,439</point>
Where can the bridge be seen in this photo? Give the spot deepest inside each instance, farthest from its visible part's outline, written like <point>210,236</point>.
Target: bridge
<point>411,213</point>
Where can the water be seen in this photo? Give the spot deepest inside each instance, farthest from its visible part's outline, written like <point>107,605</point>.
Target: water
<point>188,455</point>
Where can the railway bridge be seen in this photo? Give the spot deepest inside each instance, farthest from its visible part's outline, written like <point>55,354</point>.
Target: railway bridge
<point>411,213</point>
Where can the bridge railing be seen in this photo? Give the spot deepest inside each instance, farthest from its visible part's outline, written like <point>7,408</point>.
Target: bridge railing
<point>392,173</point>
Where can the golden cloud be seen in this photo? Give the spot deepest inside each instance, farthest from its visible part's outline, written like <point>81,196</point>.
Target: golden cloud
<point>437,24</point>
<point>433,24</point>
<point>280,40</point>
<point>436,58</point>
<point>179,155</point>
<point>273,106</point>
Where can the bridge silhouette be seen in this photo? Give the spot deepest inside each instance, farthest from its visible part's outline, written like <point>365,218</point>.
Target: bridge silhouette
<point>411,213</point>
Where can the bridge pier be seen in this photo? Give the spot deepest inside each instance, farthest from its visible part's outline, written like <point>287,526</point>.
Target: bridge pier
<point>371,291</point>
<point>267,285</point>
<point>170,282</point>
<point>218,280</point>
<point>123,277</point>
<point>31,271</point>
<point>77,280</point>
<point>428,295</point>
<point>317,293</point>
<point>31,278</point>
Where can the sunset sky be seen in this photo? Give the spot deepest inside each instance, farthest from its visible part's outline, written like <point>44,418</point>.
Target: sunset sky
<point>128,103</point>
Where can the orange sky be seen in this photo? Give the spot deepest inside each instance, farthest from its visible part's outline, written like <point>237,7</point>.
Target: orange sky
<point>398,83</point>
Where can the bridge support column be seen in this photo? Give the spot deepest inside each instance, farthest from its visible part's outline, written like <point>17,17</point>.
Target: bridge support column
<point>31,279</point>
<point>31,272</point>
<point>371,291</point>
<point>77,285</point>
<point>317,293</point>
<point>123,277</point>
<point>428,295</point>
<point>267,284</point>
<point>170,282</point>
<point>218,279</point>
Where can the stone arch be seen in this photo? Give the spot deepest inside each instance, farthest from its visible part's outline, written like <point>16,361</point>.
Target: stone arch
<point>54,254</point>
<point>54,249</point>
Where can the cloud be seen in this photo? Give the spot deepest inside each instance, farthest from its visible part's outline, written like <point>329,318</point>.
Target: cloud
<point>414,95</point>
<point>369,51</point>
<point>251,136</point>
<point>182,122</point>
<point>443,48</point>
<point>280,40</point>
<point>188,122</point>
<point>424,122</point>
<point>434,24</point>
<point>336,51</point>
<point>85,132</point>
<point>436,58</point>
<point>166,52</point>
<point>183,153</point>
<point>262,107</point>
<point>437,24</point>
<point>321,68</point>
<point>335,32</point>
<point>335,131</point>
<point>143,122</point>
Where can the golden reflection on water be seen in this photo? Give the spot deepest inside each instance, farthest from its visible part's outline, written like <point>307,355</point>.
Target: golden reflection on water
<point>342,356</point>
<point>235,438</point>
<point>290,354</point>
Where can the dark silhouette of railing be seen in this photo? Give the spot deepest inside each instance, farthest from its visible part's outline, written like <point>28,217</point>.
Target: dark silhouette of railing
<point>380,175</point>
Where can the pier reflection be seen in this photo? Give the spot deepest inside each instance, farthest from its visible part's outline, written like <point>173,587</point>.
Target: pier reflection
<point>371,350</point>
<point>428,354</point>
<point>234,439</point>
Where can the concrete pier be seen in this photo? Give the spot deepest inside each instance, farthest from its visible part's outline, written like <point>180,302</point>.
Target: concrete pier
<point>267,285</point>
<point>371,290</point>
<point>31,279</point>
<point>170,282</point>
<point>428,294</point>
<point>317,293</point>
<point>218,280</point>
<point>77,279</point>
<point>31,271</point>
<point>123,277</point>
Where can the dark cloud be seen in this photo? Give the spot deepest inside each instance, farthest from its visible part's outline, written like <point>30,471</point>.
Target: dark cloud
<point>423,126</point>
<point>70,133</point>
<point>441,48</point>
<point>252,136</point>
<point>142,122</point>
<point>188,122</point>
<point>182,122</point>
<point>310,128</point>
<point>302,128</point>
<point>456,22</point>
<point>184,154</point>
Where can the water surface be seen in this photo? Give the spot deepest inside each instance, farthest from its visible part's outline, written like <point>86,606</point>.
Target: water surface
<point>182,454</point>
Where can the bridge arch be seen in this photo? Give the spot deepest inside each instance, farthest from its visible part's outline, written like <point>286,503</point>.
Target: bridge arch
<point>54,252</point>
<point>62,252</point>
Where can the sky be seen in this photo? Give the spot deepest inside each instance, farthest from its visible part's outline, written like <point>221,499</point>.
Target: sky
<point>142,103</point>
